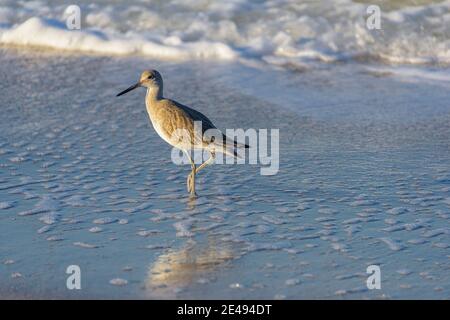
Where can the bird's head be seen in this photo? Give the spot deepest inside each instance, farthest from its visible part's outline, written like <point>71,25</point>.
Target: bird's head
<point>150,79</point>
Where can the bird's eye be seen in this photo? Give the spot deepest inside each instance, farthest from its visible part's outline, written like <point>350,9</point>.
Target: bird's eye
<point>150,76</point>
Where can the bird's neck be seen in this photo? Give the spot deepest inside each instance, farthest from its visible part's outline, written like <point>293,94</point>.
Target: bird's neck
<point>153,95</point>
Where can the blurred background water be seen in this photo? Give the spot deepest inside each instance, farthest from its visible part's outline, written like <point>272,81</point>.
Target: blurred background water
<point>291,34</point>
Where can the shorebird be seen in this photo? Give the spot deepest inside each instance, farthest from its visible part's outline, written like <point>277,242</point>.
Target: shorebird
<point>174,121</point>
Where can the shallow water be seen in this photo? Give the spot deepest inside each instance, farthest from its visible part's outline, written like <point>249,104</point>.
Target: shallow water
<point>84,180</point>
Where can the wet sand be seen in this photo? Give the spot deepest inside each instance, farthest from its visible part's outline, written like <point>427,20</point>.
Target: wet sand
<point>84,180</point>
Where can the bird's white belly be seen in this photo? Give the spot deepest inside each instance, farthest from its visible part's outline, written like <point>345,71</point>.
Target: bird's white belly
<point>160,131</point>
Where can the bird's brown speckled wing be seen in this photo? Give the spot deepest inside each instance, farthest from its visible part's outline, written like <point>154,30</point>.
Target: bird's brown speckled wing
<point>175,117</point>
<point>196,116</point>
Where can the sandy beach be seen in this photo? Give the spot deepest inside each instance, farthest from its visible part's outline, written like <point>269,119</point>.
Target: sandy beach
<point>85,180</point>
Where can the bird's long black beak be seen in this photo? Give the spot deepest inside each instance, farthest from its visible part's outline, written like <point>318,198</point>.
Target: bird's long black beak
<point>134,86</point>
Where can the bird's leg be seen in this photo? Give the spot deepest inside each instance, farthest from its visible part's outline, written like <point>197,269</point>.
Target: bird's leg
<point>191,181</point>
<point>191,177</point>
<point>207,162</point>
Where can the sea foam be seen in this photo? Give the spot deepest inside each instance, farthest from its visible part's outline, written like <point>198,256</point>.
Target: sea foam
<point>54,34</point>
<point>282,33</point>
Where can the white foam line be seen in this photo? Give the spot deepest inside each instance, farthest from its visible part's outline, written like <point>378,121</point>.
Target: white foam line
<point>53,34</point>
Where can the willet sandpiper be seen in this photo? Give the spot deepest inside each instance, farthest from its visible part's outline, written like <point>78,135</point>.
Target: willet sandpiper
<point>171,119</point>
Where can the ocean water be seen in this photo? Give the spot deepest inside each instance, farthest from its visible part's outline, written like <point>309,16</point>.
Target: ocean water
<point>284,33</point>
<point>364,173</point>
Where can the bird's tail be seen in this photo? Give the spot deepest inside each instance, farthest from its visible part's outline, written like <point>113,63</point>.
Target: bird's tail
<point>230,147</point>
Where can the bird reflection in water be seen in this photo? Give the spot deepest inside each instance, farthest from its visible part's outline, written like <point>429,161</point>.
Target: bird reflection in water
<point>196,262</point>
